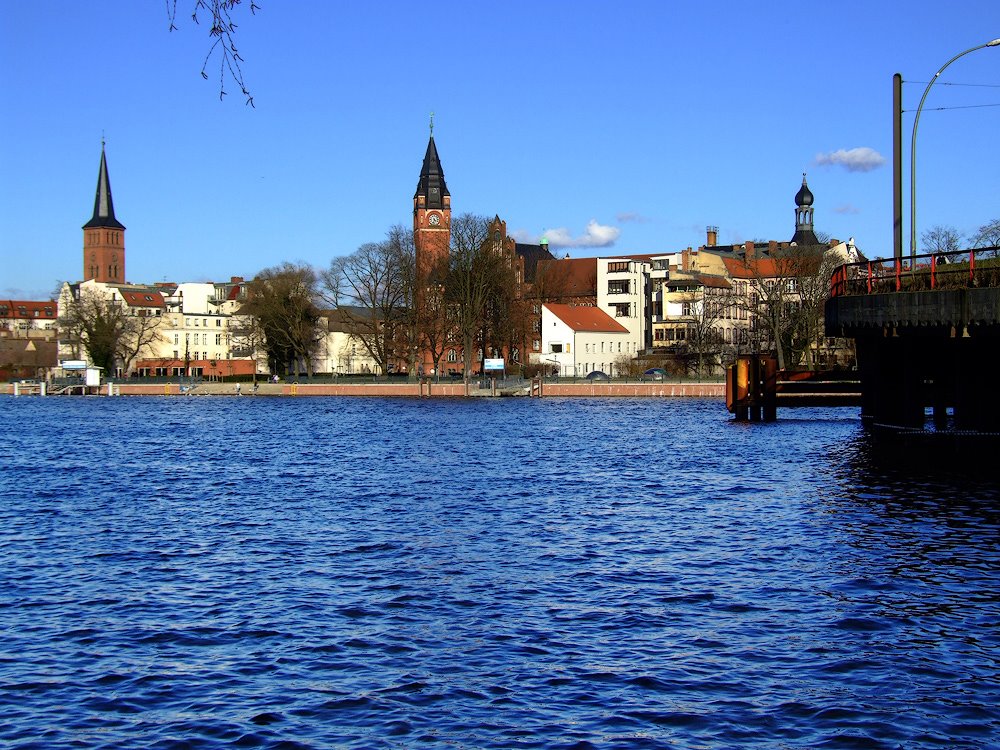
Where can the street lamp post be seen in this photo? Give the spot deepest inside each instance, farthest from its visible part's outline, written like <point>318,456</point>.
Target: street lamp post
<point>913,146</point>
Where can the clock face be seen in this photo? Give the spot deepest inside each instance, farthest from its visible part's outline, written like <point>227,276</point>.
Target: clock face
<point>434,220</point>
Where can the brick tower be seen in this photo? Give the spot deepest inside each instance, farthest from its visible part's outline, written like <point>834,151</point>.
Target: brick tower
<point>104,235</point>
<point>431,212</point>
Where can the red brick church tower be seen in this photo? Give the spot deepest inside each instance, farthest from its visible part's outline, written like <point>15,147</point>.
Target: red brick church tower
<point>104,235</point>
<point>431,212</point>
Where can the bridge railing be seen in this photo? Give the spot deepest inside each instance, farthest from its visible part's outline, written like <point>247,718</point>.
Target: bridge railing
<point>974,268</point>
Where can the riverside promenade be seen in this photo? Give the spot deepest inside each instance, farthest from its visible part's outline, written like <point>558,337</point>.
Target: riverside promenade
<point>426,389</point>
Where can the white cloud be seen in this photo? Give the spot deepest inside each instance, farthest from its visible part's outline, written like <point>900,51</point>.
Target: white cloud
<point>596,235</point>
<point>846,208</point>
<point>862,159</point>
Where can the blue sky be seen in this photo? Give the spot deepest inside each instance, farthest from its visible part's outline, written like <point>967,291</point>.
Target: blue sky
<point>612,128</point>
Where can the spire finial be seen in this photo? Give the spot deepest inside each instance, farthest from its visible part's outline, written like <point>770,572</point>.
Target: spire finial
<point>102,140</point>
<point>432,124</point>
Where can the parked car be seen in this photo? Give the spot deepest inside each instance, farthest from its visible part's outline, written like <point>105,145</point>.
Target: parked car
<point>597,375</point>
<point>655,373</point>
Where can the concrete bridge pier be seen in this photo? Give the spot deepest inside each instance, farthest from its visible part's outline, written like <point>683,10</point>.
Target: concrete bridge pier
<point>956,377</point>
<point>890,384</point>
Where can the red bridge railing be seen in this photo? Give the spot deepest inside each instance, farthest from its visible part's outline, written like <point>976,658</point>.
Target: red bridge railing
<point>975,268</point>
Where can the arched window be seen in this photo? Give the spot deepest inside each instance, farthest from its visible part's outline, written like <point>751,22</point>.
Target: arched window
<point>452,355</point>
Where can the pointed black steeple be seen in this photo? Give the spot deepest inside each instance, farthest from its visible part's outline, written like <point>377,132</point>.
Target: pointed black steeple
<point>104,208</point>
<point>431,184</point>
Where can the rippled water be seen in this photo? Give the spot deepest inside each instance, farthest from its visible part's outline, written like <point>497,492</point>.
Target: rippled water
<point>252,572</point>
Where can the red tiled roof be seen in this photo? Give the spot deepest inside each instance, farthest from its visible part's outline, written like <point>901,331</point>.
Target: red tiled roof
<point>753,268</point>
<point>142,298</point>
<point>585,318</point>
<point>568,277</point>
<point>772,267</point>
<point>715,282</point>
<point>24,309</point>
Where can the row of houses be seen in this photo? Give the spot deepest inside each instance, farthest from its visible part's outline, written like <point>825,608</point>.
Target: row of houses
<point>612,313</point>
<point>656,309</point>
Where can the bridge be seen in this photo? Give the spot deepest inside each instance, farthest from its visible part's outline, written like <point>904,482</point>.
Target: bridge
<point>927,335</point>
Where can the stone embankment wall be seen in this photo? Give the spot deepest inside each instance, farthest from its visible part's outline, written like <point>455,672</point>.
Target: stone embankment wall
<point>407,389</point>
<point>700,390</point>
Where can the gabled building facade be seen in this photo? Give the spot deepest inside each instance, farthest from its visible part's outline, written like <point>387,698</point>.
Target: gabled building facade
<point>579,339</point>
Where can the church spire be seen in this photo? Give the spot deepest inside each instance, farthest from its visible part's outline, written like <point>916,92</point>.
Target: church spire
<point>431,185</point>
<point>104,208</point>
<point>104,235</point>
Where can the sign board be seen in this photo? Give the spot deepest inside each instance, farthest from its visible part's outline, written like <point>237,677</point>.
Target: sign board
<point>93,376</point>
<point>493,364</point>
<point>74,364</point>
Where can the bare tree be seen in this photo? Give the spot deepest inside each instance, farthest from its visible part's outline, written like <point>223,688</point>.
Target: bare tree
<point>471,281</point>
<point>779,319</point>
<point>104,328</point>
<point>940,239</point>
<point>222,31</point>
<point>508,319</point>
<point>142,335</point>
<point>282,303</point>
<point>432,322</point>
<point>370,289</point>
<point>988,237</point>
<point>704,339</point>
<point>812,291</point>
<point>247,338</point>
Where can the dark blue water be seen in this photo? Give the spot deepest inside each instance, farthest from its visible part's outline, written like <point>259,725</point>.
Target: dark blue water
<point>284,573</point>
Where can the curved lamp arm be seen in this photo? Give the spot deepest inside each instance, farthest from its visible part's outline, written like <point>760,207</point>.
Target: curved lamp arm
<point>913,145</point>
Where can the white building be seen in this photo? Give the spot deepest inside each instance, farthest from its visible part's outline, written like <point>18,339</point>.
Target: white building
<point>623,292</point>
<point>579,339</point>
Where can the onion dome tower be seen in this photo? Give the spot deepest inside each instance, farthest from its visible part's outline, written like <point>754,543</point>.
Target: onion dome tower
<point>804,234</point>
<point>104,235</point>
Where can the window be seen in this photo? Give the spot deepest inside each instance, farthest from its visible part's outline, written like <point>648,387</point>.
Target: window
<point>618,266</point>
<point>177,339</point>
<point>452,355</point>
<point>218,339</point>
<point>622,309</point>
<point>619,286</point>
<point>218,322</point>
<point>536,344</point>
<point>556,348</point>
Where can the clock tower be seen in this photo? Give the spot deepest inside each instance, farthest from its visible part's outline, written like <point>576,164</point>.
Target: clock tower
<point>431,212</point>
<point>104,235</point>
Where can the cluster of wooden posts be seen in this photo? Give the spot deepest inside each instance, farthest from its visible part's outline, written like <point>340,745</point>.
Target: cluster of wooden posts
<point>752,388</point>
